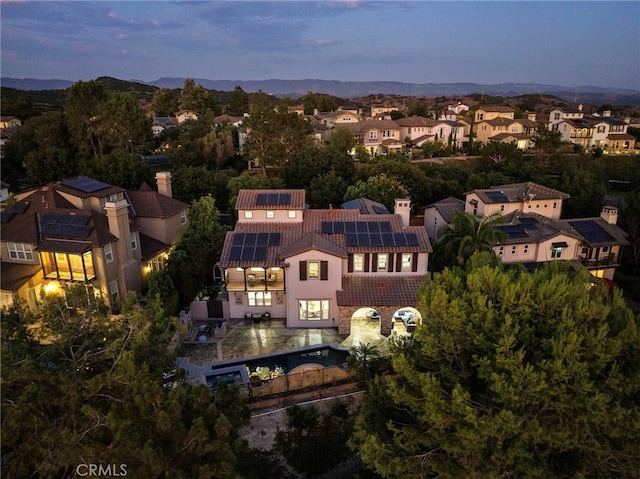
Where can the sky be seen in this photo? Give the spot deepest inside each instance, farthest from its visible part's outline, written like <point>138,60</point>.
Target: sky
<point>565,43</point>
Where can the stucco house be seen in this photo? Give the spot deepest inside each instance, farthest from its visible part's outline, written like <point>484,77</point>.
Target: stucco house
<point>485,113</point>
<point>379,137</point>
<point>317,267</point>
<point>81,230</point>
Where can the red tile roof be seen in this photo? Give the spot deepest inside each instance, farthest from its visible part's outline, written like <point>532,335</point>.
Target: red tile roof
<point>380,290</point>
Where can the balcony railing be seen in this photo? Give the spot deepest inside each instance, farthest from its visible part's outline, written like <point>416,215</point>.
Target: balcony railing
<point>609,260</point>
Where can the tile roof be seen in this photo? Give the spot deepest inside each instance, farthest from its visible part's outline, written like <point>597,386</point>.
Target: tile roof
<point>248,200</point>
<point>504,136</point>
<point>517,192</point>
<point>365,206</point>
<point>596,231</point>
<point>151,247</point>
<point>15,275</point>
<point>312,241</point>
<point>447,207</point>
<point>497,108</point>
<point>380,290</point>
<point>151,204</point>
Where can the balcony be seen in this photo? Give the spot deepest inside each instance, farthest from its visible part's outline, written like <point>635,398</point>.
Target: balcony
<point>255,281</point>
<point>608,260</point>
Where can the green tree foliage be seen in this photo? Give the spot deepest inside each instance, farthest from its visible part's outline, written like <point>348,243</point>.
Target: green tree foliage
<point>314,442</point>
<point>468,234</point>
<point>192,182</point>
<point>96,393</point>
<point>342,139</point>
<point>238,102</point>
<point>314,160</point>
<point>361,358</point>
<point>381,188</point>
<point>499,152</point>
<point>630,222</point>
<point>119,168</point>
<point>319,101</point>
<point>547,140</point>
<point>327,189</point>
<point>194,97</point>
<point>49,164</point>
<point>512,374</point>
<point>164,102</point>
<point>586,192</point>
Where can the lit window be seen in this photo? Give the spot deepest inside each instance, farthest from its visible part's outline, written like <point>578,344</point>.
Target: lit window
<point>314,310</point>
<point>20,251</point>
<point>358,262</point>
<point>556,251</point>
<point>382,262</point>
<point>260,298</point>
<point>406,262</point>
<point>248,214</point>
<point>183,217</point>
<point>514,249</point>
<point>271,214</point>
<point>313,269</point>
<point>292,213</point>
<point>134,241</point>
<point>108,253</point>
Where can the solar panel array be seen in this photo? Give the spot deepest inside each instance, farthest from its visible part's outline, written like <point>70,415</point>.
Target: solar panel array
<point>592,231</point>
<point>382,239</point>
<point>256,239</point>
<point>65,225</point>
<point>88,185</point>
<point>248,253</point>
<point>273,199</point>
<point>341,227</point>
<point>497,196</point>
<point>515,231</point>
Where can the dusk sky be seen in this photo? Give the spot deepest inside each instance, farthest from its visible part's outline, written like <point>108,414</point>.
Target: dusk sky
<point>562,43</point>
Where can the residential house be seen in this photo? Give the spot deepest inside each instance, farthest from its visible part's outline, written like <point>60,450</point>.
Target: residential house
<point>86,231</point>
<point>185,115</point>
<point>379,137</point>
<point>417,129</point>
<point>533,229</point>
<point>595,131</point>
<point>567,113</point>
<point>366,206</point>
<point>10,123</point>
<point>506,130</point>
<point>161,123</point>
<point>317,267</point>
<point>485,113</point>
<point>336,118</point>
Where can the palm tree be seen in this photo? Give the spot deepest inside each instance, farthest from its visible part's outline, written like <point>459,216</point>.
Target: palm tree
<point>361,358</point>
<point>468,234</point>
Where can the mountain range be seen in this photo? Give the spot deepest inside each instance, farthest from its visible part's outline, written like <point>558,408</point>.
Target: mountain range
<point>352,89</point>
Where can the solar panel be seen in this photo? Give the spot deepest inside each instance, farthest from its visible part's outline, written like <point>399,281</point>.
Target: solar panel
<point>235,253</point>
<point>327,228</point>
<point>528,221</point>
<point>273,199</point>
<point>81,231</point>
<point>379,210</point>
<point>284,199</point>
<point>592,231</point>
<point>497,196</point>
<point>88,185</point>
<point>364,239</point>
<point>19,208</point>
<point>374,227</point>
<point>349,227</point>
<point>250,239</point>
<point>352,239</point>
<point>412,239</point>
<point>247,253</point>
<point>362,227</point>
<point>400,239</point>
<point>260,253</point>
<point>338,227</point>
<point>261,199</point>
<point>387,239</point>
<point>274,239</point>
<point>5,216</point>
<point>238,239</point>
<point>79,220</point>
<point>49,228</point>
<point>385,227</point>
<point>376,239</point>
<point>49,218</point>
<point>514,231</point>
<point>262,239</point>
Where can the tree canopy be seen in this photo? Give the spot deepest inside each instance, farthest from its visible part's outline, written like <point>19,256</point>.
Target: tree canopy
<point>511,374</point>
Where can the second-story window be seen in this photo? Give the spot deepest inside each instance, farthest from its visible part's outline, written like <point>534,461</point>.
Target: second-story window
<point>382,261</point>
<point>292,214</point>
<point>526,249</point>
<point>556,251</point>
<point>183,217</point>
<point>108,253</point>
<point>373,135</point>
<point>20,251</point>
<point>514,249</point>
<point>271,214</point>
<point>313,271</point>
<point>358,262</point>
<point>134,241</point>
<point>248,214</point>
<point>501,251</point>
<point>406,261</point>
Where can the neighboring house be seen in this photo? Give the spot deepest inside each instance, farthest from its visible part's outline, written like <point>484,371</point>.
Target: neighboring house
<point>160,123</point>
<point>82,230</point>
<point>229,120</point>
<point>417,129</point>
<point>506,130</point>
<point>316,268</point>
<point>595,131</point>
<point>366,206</point>
<point>533,228</point>
<point>379,137</point>
<point>440,213</point>
<point>527,197</point>
<point>185,115</point>
<point>10,123</point>
<point>566,113</point>
<point>485,113</point>
<point>336,118</point>
<point>4,191</point>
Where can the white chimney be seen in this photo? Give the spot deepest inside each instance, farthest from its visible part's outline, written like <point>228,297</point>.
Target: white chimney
<point>609,214</point>
<point>403,208</point>
<point>163,178</point>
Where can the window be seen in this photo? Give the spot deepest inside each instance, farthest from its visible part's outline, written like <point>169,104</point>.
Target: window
<point>134,241</point>
<point>292,213</point>
<point>501,207</point>
<point>183,217</point>
<point>373,135</point>
<point>601,129</point>
<point>406,262</point>
<point>108,253</point>
<point>113,291</point>
<point>382,261</point>
<point>271,214</point>
<point>260,298</point>
<point>556,251</point>
<point>20,251</point>
<point>526,249</point>
<point>313,271</point>
<point>501,251</point>
<point>555,205</point>
<point>112,198</point>
<point>605,249</point>
<point>556,116</point>
<point>358,262</point>
<point>514,249</point>
<point>248,214</point>
<point>314,309</point>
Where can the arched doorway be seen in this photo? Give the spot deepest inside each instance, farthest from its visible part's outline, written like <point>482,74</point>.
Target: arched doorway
<point>365,327</point>
<point>405,320</point>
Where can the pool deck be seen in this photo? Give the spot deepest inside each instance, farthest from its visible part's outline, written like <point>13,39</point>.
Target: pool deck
<point>250,340</point>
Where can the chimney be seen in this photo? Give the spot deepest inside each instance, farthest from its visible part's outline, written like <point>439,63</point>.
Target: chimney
<point>609,214</point>
<point>163,178</point>
<point>403,208</point>
<point>118,217</point>
<point>606,113</point>
<point>580,107</point>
